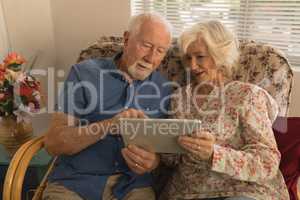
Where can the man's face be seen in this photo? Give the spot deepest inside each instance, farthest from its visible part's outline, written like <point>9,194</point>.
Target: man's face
<point>144,51</point>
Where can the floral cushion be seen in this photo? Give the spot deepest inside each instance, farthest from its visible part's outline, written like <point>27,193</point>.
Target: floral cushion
<point>259,64</point>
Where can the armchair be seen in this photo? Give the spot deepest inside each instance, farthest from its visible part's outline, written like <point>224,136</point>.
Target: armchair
<point>259,63</point>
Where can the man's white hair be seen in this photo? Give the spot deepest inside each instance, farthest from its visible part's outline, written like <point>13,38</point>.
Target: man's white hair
<point>221,43</point>
<point>136,21</point>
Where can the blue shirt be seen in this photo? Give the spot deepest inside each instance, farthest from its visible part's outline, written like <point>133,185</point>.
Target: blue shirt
<point>94,91</point>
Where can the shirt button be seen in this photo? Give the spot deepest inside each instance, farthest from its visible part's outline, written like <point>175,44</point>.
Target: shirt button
<point>126,107</point>
<point>116,163</point>
<point>147,109</point>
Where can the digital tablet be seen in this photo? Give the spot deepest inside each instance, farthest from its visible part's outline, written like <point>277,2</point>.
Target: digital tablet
<point>158,135</point>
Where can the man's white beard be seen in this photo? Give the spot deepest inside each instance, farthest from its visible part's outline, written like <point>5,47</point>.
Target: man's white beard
<point>138,74</point>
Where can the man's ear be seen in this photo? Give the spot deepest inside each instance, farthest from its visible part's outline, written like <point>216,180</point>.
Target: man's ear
<point>126,37</point>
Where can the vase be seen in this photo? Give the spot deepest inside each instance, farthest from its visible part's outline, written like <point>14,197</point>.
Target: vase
<point>14,134</point>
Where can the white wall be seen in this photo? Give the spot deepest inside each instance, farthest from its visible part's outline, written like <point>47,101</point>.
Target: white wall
<point>30,29</point>
<point>79,23</point>
<point>295,102</point>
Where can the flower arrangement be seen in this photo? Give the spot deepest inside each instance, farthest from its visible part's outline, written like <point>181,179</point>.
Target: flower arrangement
<point>19,91</point>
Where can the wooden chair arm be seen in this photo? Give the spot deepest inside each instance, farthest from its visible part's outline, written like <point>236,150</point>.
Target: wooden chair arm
<point>14,178</point>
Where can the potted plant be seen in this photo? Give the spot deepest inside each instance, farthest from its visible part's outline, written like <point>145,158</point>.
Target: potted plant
<point>19,96</point>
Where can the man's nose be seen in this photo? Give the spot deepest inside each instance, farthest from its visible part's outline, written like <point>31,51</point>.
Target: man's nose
<point>150,56</point>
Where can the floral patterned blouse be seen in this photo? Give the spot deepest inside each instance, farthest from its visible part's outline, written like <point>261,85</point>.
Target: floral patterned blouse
<point>245,161</point>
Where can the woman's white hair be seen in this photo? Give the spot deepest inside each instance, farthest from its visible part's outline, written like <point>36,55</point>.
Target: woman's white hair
<point>135,22</point>
<point>221,43</point>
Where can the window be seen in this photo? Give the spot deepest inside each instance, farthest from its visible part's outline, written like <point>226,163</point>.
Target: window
<point>276,22</point>
<point>4,45</point>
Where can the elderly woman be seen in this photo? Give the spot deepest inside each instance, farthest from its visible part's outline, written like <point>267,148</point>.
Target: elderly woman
<point>234,156</point>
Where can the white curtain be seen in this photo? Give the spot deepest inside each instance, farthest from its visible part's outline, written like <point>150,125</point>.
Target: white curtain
<point>276,22</point>
<point>4,40</point>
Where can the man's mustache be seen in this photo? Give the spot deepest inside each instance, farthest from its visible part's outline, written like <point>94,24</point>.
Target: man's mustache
<point>145,64</point>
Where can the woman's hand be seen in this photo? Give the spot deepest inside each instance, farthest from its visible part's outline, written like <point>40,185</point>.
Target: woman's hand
<point>199,143</point>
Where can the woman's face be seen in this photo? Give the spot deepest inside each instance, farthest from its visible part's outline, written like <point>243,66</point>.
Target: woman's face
<point>201,64</point>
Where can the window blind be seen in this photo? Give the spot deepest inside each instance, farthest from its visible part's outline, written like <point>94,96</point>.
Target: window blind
<point>276,22</point>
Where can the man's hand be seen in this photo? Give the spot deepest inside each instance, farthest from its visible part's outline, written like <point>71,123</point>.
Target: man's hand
<point>128,113</point>
<point>200,143</point>
<point>139,160</point>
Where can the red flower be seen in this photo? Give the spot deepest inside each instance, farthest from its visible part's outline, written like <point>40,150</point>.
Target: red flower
<point>27,88</point>
<point>2,73</point>
<point>25,91</point>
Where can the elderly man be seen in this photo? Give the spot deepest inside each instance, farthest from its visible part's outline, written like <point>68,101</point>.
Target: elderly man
<point>93,162</point>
